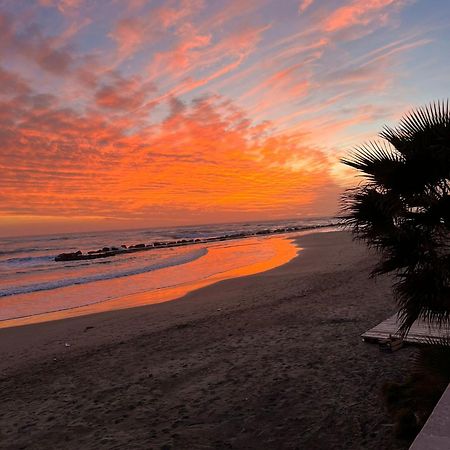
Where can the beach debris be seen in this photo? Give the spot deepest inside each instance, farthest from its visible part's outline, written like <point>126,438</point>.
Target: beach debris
<point>66,344</point>
<point>219,309</point>
<point>88,328</point>
<point>391,344</point>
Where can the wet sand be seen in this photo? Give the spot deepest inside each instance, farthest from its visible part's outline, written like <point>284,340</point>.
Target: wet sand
<point>268,361</point>
<point>224,261</point>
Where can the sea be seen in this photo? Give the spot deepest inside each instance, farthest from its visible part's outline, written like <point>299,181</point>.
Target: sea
<point>33,283</point>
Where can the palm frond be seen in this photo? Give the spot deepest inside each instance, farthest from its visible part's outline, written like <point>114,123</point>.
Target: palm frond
<point>423,292</point>
<point>369,212</point>
<point>403,210</point>
<point>378,162</point>
<point>433,117</point>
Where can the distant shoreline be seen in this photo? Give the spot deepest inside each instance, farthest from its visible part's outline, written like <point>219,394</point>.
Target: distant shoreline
<point>107,252</point>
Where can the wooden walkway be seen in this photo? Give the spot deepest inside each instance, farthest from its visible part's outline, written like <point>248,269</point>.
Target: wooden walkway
<point>435,434</point>
<point>420,332</point>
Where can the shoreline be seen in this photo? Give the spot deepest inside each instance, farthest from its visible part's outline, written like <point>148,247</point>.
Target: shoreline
<point>108,252</point>
<point>271,360</point>
<point>284,249</point>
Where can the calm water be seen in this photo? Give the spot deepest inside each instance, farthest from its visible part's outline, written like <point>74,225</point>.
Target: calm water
<point>31,282</point>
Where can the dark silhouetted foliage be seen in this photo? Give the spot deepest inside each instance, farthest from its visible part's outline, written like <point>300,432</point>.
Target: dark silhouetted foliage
<point>410,403</point>
<point>402,208</point>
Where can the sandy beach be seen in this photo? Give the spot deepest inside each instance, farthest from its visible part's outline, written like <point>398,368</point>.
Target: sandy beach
<point>268,361</point>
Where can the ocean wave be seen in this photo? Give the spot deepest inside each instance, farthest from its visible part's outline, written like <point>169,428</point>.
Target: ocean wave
<point>23,250</point>
<point>50,285</point>
<point>28,260</point>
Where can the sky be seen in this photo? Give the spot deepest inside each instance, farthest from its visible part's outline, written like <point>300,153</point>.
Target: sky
<point>122,114</point>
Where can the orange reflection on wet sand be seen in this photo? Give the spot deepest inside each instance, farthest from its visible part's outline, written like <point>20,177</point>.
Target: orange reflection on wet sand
<point>282,251</point>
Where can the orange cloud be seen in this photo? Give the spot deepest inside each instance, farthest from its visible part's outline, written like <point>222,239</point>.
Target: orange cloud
<point>60,163</point>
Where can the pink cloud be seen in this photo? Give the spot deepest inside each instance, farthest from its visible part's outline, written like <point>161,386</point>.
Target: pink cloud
<point>358,12</point>
<point>64,6</point>
<point>34,46</point>
<point>283,86</point>
<point>124,94</point>
<point>12,84</point>
<point>304,5</point>
<point>215,58</point>
<point>187,52</point>
<point>230,11</point>
<point>131,33</point>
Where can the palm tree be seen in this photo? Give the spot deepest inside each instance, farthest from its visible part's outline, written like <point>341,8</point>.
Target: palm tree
<point>402,209</point>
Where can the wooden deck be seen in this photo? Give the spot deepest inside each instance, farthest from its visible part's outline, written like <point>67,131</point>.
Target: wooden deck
<point>420,332</point>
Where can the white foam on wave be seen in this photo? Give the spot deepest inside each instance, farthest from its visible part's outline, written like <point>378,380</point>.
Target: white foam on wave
<point>60,283</point>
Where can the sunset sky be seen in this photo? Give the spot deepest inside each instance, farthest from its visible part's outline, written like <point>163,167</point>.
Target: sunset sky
<point>142,113</point>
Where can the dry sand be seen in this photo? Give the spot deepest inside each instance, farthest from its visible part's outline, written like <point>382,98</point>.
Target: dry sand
<point>269,361</point>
